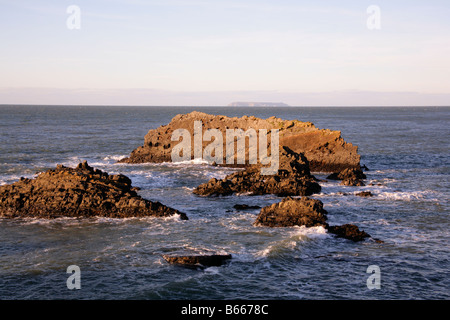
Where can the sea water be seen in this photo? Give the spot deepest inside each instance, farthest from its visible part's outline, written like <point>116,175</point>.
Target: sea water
<point>406,150</point>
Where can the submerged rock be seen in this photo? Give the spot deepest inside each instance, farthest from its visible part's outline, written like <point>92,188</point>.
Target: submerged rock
<point>78,192</point>
<point>245,207</point>
<point>325,149</point>
<point>292,179</point>
<point>364,194</point>
<point>199,260</point>
<point>348,231</point>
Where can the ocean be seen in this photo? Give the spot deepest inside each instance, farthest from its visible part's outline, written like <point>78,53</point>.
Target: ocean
<point>405,148</point>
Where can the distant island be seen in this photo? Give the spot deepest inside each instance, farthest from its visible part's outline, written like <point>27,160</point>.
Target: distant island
<point>258,104</point>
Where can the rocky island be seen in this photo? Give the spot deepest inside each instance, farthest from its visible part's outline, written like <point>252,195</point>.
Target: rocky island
<point>325,149</point>
<point>78,192</point>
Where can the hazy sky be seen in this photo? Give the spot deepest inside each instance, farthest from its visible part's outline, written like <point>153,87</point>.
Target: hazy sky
<point>138,52</point>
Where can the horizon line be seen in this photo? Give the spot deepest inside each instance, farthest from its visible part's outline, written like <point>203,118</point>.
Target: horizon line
<point>223,106</point>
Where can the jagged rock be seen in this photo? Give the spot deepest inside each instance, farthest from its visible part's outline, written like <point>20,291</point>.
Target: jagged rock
<point>305,212</point>
<point>293,212</point>
<point>349,177</point>
<point>293,179</point>
<point>352,183</point>
<point>77,192</point>
<point>325,149</point>
<point>345,174</point>
<point>199,260</point>
<point>365,194</point>
<point>348,231</point>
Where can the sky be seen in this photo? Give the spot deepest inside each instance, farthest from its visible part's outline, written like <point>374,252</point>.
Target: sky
<point>212,53</point>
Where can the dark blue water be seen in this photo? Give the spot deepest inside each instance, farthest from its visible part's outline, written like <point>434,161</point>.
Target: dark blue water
<point>406,150</point>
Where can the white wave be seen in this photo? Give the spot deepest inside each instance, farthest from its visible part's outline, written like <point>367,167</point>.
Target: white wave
<point>239,223</point>
<point>108,160</point>
<point>312,232</point>
<point>14,178</point>
<point>408,196</point>
<point>113,220</point>
<point>72,161</point>
<point>212,270</point>
<point>77,221</point>
<point>149,219</point>
<point>382,192</point>
<point>97,165</point>
<point>141,173</point>
<point>67,221</point>
<point>264,253</point>
<point>276,248</point>
<point>243,216</point>
<point>193,161</point>
<point>189,249</point>
<point>175,217</point>
<point>114,157</point>
<point>298,235</point>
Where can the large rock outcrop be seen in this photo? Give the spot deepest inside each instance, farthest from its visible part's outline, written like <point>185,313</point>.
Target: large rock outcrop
<point>292,179</point>
<point>293,212</point>
<point>325,149</point>
<point>77,192</point>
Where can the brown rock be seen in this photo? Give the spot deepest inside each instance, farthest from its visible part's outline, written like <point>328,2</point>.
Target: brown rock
<point>325,149</point>
<point>293,212</point>
<point>346,174</point>
<point>365,194</point>
<point>352,183</point>
<point>349,177</point>
<point>199,260</point>
<point>77,192</point>
<point>293,179</point>
<point>348,231</point>
<point>305,212</point>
